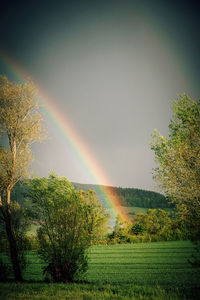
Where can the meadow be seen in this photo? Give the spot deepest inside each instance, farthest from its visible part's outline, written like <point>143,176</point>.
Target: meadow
<point>126,271</point>
<point>133,210</point>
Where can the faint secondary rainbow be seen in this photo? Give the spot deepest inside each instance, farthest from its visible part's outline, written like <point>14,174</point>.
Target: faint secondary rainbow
<point>73,140</point>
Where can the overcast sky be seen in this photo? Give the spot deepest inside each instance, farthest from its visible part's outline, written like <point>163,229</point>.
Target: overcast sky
<point>113,68</point>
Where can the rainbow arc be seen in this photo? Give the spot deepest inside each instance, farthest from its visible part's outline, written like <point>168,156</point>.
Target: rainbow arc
<point>74,141</point>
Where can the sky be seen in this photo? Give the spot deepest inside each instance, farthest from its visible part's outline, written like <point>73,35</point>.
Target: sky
<point>113,68</point>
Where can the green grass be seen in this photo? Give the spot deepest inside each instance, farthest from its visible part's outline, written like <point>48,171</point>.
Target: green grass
<point>163,263</point>
<point>128,271</point>
<point>135,210</point>
<point>44,291</point>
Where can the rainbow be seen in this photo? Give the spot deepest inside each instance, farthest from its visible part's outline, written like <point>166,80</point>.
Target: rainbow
<point>74,141</point>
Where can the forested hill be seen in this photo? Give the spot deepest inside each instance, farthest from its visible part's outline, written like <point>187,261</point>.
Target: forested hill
<point>129,196</point>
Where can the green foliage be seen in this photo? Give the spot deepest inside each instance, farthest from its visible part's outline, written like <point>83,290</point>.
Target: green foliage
<point>20,193</point>
<point>153,226</point>
<point>145,227</point>
<point>20,126</point>
<point>120,232</point>
<point>130,196</point>
<point>144,199</point>
<point>156,225</point>
<point>178,159</point>
<point>5,271</point>
<point>71,222</point>
<point>138,228</point>
<point>19,224</point>
<point>154,221</point>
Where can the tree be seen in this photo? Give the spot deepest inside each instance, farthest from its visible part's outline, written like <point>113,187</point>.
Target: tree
<point>153,222</point>
<point>71,222</point>
<point>121,231</point>
<point>178,159</point>
<point>20,126</point>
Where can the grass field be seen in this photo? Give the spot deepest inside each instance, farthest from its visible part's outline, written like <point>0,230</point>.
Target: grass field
<point>133,210</point>
<point>163,263</point>
<point>142,264</point>
<point>144,271</point>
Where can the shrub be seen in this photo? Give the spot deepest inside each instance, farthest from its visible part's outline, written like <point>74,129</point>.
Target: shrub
<point>71,222</point>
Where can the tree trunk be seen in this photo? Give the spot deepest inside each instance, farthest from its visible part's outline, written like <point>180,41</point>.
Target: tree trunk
<point>13,249</point>
<point>12,242</point>
<point>8,197</point>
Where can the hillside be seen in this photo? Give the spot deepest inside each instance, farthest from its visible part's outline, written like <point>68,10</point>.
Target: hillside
<point>129,197</point>
<point>135,200</point>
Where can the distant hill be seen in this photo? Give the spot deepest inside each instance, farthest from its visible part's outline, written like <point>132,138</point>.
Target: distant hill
<point>129,197</point>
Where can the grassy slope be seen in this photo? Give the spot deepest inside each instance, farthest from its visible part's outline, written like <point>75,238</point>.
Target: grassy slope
<point>117,272</point>
<point>135,210</point>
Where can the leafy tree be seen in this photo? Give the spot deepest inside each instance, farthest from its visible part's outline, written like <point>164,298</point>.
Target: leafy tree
<point>153,222</point>
<point>121,231</point>
<point>178,159</point>
<point>20,126</point>
<point>71,222</point>
<point>138,228</point>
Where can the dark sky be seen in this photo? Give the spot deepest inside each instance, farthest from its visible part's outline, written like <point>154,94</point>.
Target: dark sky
<point>113,68</point>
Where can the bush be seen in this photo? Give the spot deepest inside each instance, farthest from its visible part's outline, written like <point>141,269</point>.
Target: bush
<point>71,222</point>
<point>64,267</point>
<point>138,228</point>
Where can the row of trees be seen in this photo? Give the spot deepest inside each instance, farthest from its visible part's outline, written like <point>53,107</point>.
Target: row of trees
<point>142,198</point>
<point>154,226</point>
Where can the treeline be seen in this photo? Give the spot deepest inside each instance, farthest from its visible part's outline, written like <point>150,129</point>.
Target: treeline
<point>154,226</point>
<point>130,196</point>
